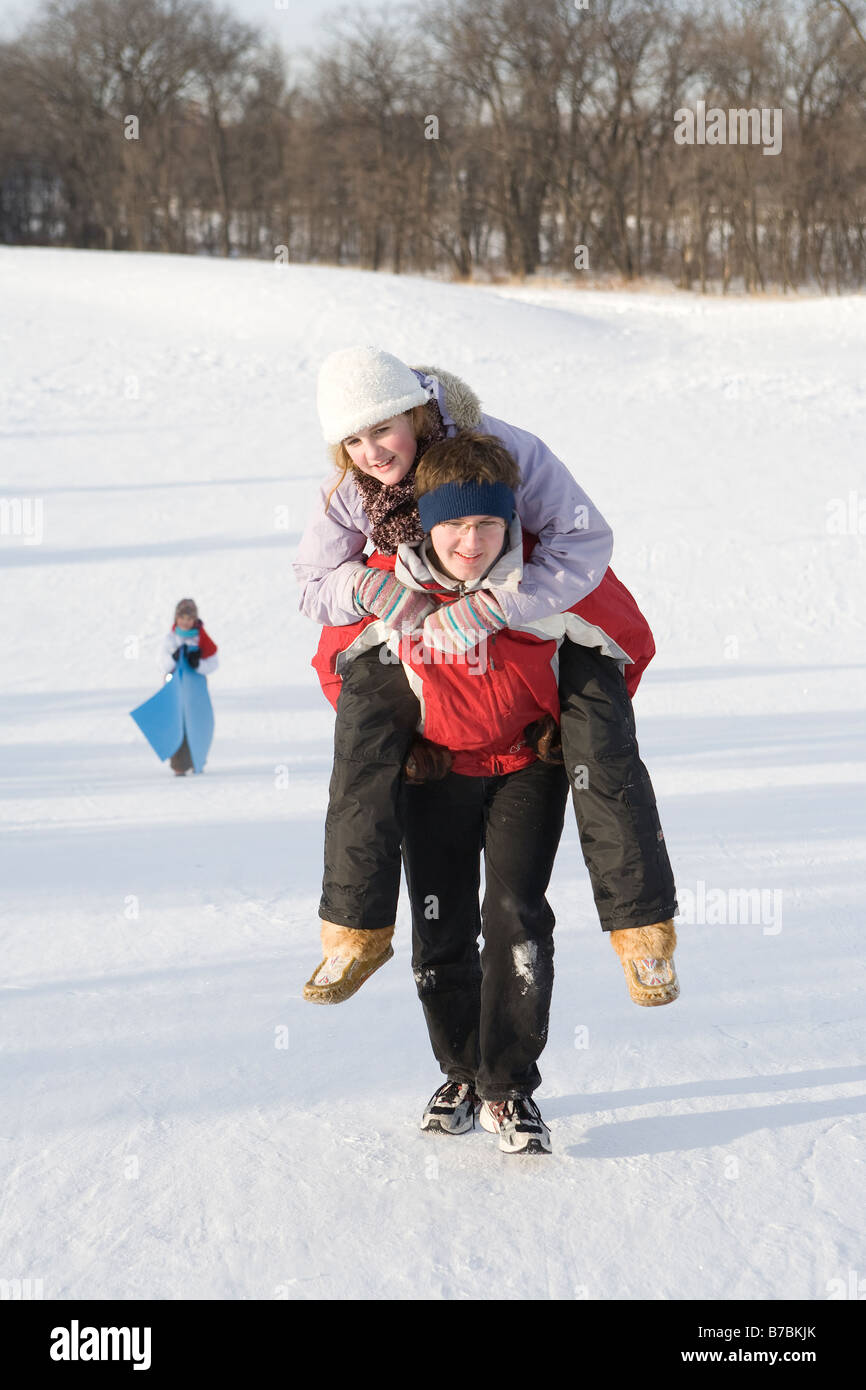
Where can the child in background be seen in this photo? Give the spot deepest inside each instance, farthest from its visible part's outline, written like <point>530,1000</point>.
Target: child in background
<point>187,631</point>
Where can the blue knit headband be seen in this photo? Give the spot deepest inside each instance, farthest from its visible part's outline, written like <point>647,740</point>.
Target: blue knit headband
<point>453,500</point>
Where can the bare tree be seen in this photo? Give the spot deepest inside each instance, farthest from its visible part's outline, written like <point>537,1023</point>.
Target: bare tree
<point>475,137</point>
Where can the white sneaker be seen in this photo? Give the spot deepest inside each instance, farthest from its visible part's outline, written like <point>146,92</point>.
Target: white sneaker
<point>451,1109</point>
<point>518,1123</point>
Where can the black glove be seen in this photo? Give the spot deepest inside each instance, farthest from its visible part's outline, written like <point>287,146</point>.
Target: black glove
<point>193,657</point>
<point>175,654</point>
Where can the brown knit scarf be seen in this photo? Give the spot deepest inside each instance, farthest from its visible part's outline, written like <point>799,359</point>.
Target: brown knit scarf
<point>392,511</point>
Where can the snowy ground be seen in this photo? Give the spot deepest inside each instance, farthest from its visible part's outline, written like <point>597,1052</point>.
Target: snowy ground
<point>176,1121</point>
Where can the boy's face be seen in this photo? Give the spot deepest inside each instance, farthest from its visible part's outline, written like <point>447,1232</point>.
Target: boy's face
<point>184,622</point>
<point>467,547</point>
<point>386,451</point>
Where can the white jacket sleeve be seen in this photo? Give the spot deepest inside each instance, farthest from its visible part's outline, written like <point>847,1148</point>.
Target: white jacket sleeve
<point>328,561</point>
<point>167,662</point>
<point>575,542</point>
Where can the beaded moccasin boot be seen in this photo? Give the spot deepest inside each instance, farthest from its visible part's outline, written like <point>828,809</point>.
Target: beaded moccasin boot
<point>647,955</point>
<point>349,958</point>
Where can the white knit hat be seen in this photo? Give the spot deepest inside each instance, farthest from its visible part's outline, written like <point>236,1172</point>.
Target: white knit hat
<point>359,386</point>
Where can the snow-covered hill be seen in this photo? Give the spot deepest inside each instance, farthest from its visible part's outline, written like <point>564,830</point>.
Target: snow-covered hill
<point>176,1121</point>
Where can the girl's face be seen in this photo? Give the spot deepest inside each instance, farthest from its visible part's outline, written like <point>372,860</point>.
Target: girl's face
<point>466,548</point>
<point>386,451</point>
<point>184,622</point>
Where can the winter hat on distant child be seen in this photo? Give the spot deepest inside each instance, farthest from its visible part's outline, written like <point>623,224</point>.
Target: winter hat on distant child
<point>186,608</point>
<point>359,386</point>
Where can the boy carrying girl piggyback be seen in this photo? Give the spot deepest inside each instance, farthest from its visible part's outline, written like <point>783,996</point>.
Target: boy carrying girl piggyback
<point>455,667</point>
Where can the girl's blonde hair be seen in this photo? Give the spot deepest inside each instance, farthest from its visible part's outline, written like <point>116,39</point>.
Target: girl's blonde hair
<point>423,423</point>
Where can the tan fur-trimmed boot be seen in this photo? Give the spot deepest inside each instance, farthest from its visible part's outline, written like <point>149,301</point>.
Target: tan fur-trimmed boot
<point>647,955</point>
<point>350,956</point>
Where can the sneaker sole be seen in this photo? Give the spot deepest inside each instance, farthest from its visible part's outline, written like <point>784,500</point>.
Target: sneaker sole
<point>532,1146</point>
<point>437,1127</point>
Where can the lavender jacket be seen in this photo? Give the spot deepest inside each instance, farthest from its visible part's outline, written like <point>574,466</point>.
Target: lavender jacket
<point>574,546</point>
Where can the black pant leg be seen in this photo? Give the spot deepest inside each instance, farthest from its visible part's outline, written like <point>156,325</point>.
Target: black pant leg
<point>377,714</point>
<point>614,802</point>
<point>442,858</point>
<point>524,818</point>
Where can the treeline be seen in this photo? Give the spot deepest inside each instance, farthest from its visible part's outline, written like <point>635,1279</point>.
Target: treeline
<point>473,138</point>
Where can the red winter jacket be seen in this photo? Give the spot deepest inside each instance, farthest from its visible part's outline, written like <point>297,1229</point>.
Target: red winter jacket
<point>479,705</point>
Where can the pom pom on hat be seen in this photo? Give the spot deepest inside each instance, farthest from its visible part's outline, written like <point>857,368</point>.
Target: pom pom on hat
<point>359,386</point>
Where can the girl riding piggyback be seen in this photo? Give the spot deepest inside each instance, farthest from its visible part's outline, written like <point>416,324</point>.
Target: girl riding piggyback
<point>380,416</point>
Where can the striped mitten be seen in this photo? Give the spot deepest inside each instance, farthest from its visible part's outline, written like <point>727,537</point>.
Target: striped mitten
<point>379,593</point>
<point>458,627</point>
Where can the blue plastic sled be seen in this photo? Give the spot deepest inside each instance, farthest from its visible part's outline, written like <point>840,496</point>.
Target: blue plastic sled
<point>181,707</point>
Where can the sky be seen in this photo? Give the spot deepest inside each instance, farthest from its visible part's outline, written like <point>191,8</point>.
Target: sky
<point>295,23</point>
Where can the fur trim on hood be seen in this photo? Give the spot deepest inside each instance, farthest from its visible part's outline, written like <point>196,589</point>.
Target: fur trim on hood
<point>461,402</point>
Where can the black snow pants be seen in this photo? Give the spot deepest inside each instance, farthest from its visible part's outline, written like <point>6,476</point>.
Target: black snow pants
<point>614,803</point>
<point>487,1014</point>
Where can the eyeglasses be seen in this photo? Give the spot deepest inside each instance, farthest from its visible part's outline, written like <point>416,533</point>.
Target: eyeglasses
<point>488,527</point>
